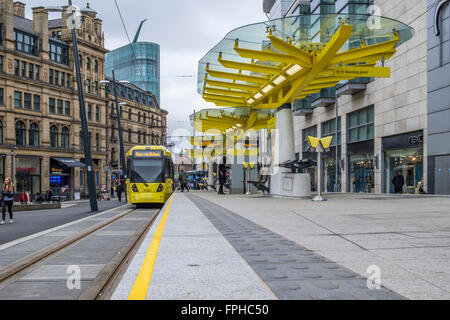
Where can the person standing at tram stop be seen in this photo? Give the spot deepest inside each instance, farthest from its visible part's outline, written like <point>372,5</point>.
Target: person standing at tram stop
<point>119,190</point>
<point>222,175</point>
<point>7,195</point>
<point>398,181</point>
<point>183,181</point>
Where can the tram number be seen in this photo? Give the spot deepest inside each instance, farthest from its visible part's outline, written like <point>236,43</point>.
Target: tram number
<point>252,309</point>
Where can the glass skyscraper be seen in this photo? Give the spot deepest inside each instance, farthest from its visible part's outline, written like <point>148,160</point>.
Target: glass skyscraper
<point>138,63</point>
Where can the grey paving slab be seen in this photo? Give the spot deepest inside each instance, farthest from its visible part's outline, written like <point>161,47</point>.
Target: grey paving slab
<point>60,272</point>
<point>290,270</point>
<point>41,290</point>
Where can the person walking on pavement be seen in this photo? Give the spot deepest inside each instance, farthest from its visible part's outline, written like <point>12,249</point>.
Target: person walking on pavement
<point>398,181</point>
<point>48,195</point>
<point>222,175</point>
<point>183,181</point>
<point>7,194</point>
<point>112,191</point>
<point>119,190</point>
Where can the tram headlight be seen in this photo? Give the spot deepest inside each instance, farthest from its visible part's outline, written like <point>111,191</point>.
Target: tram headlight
<point>134,188</point>
<point>160,188</point>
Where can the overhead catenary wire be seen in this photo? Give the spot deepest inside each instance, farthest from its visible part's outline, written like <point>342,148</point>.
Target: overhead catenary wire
<point>129,41</point>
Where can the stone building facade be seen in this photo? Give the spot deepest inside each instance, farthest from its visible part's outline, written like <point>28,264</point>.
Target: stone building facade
<point>40,127</point>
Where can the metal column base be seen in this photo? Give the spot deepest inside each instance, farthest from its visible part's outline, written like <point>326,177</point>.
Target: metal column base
<point>319,198</point>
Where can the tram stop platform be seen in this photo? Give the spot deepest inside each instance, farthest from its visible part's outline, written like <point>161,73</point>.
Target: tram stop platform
<point>205,246</point>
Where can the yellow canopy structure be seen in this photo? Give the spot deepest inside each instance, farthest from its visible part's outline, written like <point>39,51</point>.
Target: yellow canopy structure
<point>221,121</point>
<point>263,66</point>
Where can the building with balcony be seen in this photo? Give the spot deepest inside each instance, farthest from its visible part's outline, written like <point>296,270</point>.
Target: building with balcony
<point>384,125</point>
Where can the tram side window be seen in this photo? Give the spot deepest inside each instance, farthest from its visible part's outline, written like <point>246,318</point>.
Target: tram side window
<point>167,169</point>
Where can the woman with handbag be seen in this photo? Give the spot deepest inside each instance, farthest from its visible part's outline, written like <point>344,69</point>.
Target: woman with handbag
<point>7,200</point>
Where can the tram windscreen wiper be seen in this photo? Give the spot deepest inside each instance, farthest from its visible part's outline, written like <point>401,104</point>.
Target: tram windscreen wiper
<point>147,171</point>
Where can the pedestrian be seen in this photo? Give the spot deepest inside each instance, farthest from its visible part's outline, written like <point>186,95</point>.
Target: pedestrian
<point>7,200</point>
<point>398,181</point>
<point>112,191</point>
<point>222,175</point>
<point>48,195</point>
<point>119,190</point>
<point>183,181</point>
<point>39,198</point>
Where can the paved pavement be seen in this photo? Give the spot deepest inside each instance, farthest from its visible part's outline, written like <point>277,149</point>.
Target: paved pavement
<point>30,222</point>
<point>199,250</point>
<point>194,261</point>
<point>407,237</point>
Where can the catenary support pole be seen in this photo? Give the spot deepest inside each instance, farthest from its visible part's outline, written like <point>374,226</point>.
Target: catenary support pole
<point>87,145</point>
<point>119,127</point>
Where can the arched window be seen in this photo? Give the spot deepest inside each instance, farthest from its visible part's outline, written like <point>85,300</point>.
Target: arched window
<point>20,133</point>
<point>153,139</point>
<point>1,132</point>
<point>121,112</point>
<point>88,63</point>
<point>129,114</point>
<point>97,142</point>
<point>145,118</point>
<point>96,66</point>
<point>156,139</point>
<point>33,135</point>
<point>54,137</point>
<point>153,121</point>
<point>129,135</point>
<point>139,137</point>
<point>139,116</point>
<point>65,135</point>
<point>145,137</point>
<point>97,113</point>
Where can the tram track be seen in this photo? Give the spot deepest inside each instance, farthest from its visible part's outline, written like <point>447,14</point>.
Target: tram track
<point>105,281</point>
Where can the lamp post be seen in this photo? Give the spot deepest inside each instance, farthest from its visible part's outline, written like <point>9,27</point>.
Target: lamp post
<point>336,187</point>
<point>13,147</point>
<point>84,126</point>
<point>119,126</point>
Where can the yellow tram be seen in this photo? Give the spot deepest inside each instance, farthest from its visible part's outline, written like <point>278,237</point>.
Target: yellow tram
<point>150,175</point>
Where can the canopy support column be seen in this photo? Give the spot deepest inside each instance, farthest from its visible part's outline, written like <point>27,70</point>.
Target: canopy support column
<point>284,182</point>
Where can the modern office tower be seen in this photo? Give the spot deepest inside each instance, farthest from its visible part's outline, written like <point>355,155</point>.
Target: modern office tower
<point>138,62</point>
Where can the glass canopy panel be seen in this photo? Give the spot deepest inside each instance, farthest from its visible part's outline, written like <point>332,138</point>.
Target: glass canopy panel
<point>302,30</point>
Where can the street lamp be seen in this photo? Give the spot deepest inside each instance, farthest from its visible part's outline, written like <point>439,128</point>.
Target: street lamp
<point>13,147</point>
<point>119,125</point>
<point>84,126</point>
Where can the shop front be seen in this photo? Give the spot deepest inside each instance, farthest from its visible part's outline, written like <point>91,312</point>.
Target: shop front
<point>329,171</point>
<point>62,176</point>
<point>361,168</point>
<point>28,174</point>
<point>403,153</point>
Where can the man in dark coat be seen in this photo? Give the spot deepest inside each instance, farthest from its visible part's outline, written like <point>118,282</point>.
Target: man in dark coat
<point>222,175</point>
<point>183,181</point>
<point>119,190</point>
<point>398,181</point>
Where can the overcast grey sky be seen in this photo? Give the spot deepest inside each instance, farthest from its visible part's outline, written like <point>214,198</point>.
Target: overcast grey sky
<point>185,29</point>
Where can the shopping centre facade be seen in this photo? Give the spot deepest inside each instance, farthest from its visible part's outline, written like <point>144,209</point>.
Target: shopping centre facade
<point>384,125</point>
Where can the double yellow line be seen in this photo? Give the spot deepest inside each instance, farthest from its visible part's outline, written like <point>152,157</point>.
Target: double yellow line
<point>140,287</point>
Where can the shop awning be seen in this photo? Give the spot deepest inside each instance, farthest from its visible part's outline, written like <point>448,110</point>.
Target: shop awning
<point>69,162</point>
